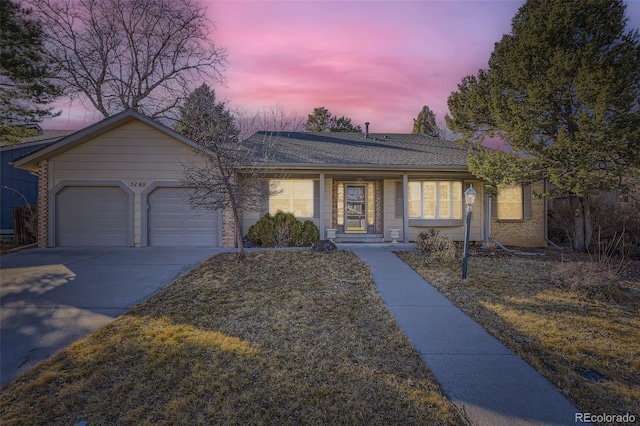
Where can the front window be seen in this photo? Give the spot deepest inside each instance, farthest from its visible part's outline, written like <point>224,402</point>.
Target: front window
<point>292,196</point>
<point>435,199</point>
<point>510,202</point>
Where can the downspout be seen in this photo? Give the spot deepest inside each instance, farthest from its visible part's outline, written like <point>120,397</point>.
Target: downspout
<point>487,224</point>
<point>500,246</point>
<point>486,232</point>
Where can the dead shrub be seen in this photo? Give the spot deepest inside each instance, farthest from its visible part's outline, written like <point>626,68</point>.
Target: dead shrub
<point>612,253</point>
<point>592,280</point>
<point>438,248</point>
<point>600,278</point>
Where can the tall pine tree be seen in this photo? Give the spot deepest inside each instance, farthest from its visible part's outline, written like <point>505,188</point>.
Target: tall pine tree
<point>563,91</point>
<point>225,177</point>
<point>24,73</point>
<point>425,124</point>
<point>203,118</point>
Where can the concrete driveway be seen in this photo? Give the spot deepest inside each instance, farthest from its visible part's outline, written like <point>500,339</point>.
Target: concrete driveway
<point>50,298</point>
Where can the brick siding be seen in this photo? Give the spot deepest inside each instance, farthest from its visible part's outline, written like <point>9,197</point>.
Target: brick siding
<point>228,228</point>
<point>43,203</point>
<point>525,233</point>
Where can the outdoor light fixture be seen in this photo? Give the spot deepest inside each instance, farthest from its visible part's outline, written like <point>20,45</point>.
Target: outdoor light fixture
<point>469,199</point>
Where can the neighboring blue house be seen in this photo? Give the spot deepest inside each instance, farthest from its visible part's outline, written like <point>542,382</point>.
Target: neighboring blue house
<point>14,182</point>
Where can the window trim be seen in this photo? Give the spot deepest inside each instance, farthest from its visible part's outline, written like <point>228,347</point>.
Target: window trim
<point>315,197</point>
<point>437,220</point>
<point>399,201</point>
<point>526,206</point>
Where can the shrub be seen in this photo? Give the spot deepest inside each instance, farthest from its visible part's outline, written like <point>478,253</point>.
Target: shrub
<point>310,233</point>
<point>612,253</point>
<point>288,229</point>
<point>592,280</point>
<point>264,232</point>
<point>437,247</point>
<point>283,230</point>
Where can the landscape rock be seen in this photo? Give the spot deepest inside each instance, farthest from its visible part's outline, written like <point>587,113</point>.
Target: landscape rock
<point>324,246</point>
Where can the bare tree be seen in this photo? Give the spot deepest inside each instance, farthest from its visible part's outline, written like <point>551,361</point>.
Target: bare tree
<point>444,133</point>
<point>119,54</point>
<point>228,174</point>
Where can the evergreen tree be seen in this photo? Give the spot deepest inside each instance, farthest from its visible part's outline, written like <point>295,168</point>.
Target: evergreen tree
<point>319,121</point>
<point>426,123</point>
<point>322,121</point>
<point>203,118</point>
<point>343,124</point>
<point>215,182</point>
<point>562,90</point>
<point>24,73</point>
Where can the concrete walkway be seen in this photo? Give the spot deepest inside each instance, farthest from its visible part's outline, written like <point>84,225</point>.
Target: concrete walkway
<point>489,382</point>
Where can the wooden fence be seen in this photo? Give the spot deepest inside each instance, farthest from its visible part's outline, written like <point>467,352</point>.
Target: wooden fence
<point>25,225</point>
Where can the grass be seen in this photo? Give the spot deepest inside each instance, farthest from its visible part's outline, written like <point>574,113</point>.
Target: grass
<point>281,338</point>
<point>588,348</point>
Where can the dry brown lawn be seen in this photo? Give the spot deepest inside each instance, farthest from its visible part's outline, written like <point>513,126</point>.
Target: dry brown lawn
<point>280,338</point>
<point>588,348</point>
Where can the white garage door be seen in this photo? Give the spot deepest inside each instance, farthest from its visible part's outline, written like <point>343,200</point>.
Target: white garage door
<point>92,216</point>
<point>172,222</point>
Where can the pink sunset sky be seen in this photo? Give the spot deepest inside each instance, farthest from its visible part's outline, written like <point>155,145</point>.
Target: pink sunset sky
<point>376,61</point>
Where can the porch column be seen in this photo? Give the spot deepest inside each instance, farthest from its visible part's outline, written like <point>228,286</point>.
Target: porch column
<point>321,207</point>
<point>405,208</point>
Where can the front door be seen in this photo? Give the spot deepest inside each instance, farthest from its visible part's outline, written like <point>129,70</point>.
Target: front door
<point>356,208</point>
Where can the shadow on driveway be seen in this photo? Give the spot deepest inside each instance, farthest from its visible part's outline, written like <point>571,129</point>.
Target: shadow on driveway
<point>53,297</point>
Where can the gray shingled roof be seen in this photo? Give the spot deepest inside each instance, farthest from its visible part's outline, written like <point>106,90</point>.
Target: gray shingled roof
<point>48,135</point>
<point>379,149</point>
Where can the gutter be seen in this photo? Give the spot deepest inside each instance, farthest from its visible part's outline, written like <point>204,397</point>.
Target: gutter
<point>356,167</point>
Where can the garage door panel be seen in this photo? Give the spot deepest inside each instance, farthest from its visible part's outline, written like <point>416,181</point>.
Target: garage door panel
<point>172,222</point>
<point>92,216</point>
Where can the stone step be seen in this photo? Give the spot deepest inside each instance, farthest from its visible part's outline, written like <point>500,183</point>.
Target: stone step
<point>359,238</point>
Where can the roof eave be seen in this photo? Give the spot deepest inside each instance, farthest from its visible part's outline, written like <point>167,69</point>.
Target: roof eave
<point>357,167</point>
<point>30,144</point>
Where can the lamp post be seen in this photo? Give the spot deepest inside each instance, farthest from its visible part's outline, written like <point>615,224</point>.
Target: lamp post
<point>469,199</point>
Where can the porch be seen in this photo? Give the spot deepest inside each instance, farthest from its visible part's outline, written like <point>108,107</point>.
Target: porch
<point>364,206</point>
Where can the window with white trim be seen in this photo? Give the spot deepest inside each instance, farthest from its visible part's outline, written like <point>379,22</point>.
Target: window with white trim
<point>292,196</point>
<point>435,199</point>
